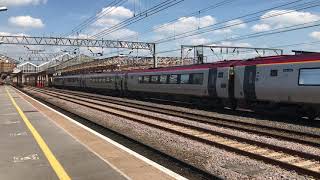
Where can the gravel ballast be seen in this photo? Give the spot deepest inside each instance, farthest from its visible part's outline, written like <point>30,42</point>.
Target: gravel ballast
<point>215,161</point>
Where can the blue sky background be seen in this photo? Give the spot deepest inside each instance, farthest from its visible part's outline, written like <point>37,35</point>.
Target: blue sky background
<point>59,17</point>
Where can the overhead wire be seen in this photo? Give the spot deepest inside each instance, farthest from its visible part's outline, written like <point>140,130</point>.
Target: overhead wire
<point>94,18</point>
<point>259,34</point>
<point>249,20</point>
<point>256,18</point>
<point>155,9</point>
<point>203,10</point>
<point>149,12</point>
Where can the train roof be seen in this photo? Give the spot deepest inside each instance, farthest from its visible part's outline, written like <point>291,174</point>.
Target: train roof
<point>281,59</point>
<point>310,57</point>
<point>190,67</point>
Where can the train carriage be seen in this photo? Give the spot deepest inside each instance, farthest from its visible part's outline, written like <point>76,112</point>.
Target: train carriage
<point>99,81</point>
<point>286,81</point>
<point>290,81</point>
<point>185,82</point>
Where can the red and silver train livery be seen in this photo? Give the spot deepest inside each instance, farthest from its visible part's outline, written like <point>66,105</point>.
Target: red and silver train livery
<point>286,81</point>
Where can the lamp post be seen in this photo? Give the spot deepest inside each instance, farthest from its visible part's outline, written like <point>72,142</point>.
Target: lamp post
<point>3,8</point>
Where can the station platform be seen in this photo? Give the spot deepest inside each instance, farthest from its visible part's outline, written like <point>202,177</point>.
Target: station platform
<point>40,143</point>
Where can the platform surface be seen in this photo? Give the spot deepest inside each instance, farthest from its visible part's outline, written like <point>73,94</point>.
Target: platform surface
<point>24,156</point>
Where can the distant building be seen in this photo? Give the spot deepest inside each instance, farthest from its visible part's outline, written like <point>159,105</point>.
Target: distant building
<point>28,67</point>
<point>6,64</point>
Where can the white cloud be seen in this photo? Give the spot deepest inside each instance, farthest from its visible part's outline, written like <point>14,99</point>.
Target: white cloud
<point>122,33</point>
<point>119,34</point>
<point>261,27</point>
<point>229,43</point>
<point>231,26</point>
<point>21,2</point>
<point>26,22</point>
<point>199,41</point>
<point>281,18</point>
<point>315,35</point>
<point>113,15</point>
<point>185,24</point>
<point>12,34</point>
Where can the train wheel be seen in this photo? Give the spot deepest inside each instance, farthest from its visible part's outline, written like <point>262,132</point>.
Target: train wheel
<point>233,105</point>
<point>312,114</point>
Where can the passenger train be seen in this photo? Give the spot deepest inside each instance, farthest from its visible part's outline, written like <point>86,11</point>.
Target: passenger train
<point>288,81</point>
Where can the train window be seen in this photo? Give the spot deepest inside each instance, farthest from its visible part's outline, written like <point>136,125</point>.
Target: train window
<point>309,77</point>
<point>274,72</point>
<point>109,79</point>
<point>196,78</point>
<point>251,78</point>
<point>223,85</point>
<point>173,79</point>
<point>154,79</point>
<point>220,75</point>
<point>146,79</point>
<point>163,79</point>
<point>140,79</point>
<point>287,70</point>
<point>184,79</point>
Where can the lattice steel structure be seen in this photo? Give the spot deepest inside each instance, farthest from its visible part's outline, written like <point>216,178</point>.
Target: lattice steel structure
<point>198,51</point>
<point>119,63</point>
<point>60,41</point>
<point>78,42</point>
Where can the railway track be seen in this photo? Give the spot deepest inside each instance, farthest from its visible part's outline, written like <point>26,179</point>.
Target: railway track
<point>274,132</point>
<point>301,162</point>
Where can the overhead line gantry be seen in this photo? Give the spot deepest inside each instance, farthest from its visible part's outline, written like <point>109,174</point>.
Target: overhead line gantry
<point>79,42</point>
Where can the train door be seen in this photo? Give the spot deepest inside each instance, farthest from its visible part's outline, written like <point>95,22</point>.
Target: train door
<point>249,85</point>
<point>82,81</point>
<point>212,81</point>
<point>231,83</point>
<point>231,89</point>
<point>121,83</point>
<point>126,82</point>
<point>116,82</point>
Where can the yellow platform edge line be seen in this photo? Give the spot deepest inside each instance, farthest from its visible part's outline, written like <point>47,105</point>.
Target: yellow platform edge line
<point>57,167</point>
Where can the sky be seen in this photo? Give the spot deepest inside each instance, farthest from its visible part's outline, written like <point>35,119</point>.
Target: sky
<point>60,17</point>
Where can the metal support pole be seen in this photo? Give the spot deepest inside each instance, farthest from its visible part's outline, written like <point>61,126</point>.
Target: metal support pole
<point>181,63</point>
<point>36,81</point>
<point>79,58</point>
<point>154,55</point>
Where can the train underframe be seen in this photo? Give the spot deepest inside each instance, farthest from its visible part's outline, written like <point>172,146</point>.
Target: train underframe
<point>302,110</point>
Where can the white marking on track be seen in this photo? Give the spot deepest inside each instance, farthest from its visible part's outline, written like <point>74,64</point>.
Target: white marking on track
<point>10,122</point>
<point>18,134</point>
<point>148,161</point>
<point>20,159</point>
<point>9,114</point>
